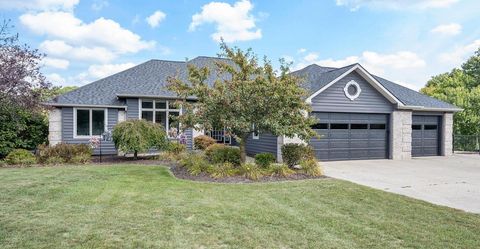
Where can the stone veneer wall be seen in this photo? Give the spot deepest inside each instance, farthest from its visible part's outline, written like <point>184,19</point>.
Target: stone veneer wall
<point>447,134</point>
<point>55,126</point>
<point>401,135</point>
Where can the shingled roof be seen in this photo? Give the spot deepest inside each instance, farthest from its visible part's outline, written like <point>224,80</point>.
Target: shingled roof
<point>150,79</point>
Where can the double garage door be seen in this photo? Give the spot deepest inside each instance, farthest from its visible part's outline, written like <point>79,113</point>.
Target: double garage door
<point>351,136</point>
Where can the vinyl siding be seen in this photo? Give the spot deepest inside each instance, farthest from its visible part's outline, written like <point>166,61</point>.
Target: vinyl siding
<point>108,148</point>
<point>132,108</point>
<point>266,143</point>
<point>333,99</point>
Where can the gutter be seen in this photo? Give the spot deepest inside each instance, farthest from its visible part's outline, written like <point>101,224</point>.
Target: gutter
<point>152,96</point>
<point>423,108</point>
<point>84,105</point>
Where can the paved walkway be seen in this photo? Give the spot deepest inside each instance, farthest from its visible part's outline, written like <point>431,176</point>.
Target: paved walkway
<point>450,181</point>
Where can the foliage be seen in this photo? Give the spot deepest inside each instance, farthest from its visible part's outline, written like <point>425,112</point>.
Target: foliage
<point>2,164</point>
<point>48,94</point>
<point>264,159</point>
<point>220,153</point>
<point>311,167</point>
<point>251,171</point>
<point>21,128</point>
<point>20,157</point>
<point>195,163</point>
<point>176,147</point>
<point>223,170</point>
<point>139,136</point>
<point>292,154</point>
<point>247,96</point>
<point>281,169</point>
<point>203,141</point>
<point>64,153</point>
<point>460,87</point>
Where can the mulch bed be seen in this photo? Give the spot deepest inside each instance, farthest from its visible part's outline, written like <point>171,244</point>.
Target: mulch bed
<point>182,173</point>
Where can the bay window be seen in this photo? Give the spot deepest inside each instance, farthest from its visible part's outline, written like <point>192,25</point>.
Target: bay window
<point>89,122</point>
<point>161,112</point>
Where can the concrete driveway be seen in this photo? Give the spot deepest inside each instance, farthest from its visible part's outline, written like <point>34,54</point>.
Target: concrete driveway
<point>450,181</point>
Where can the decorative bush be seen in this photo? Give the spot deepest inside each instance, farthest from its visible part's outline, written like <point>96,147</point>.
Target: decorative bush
<point>195,163</point>
<point>251,171</point>
<point>281,169</point>
<point>292,154</point>
<point>202,142</point>
<point>20,157</point>
<point>264,159</point>
<point>176,147</point>
<point>219,153</point>
<point>222,170</point>
<point>64,153</point>
<point>2,164</point>
<point>138,135</point>
<point>311,167</point>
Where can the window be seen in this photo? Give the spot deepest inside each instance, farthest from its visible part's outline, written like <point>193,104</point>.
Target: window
<point>320,126</point>
<point>377,126</point>
<point>358,126</point>
<point>416,127</point>
<point>89,122</point>
<point>161,112</point>
<point>338,126</point>
<point>430,127</point>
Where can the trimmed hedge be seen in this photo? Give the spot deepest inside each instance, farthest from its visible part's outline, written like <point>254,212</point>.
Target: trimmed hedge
<point>202,142</point>
<point>292,154</point>
<point>64,153</point>
<point>219,153</point>
<point>20,157</point>
<point>264,159</point>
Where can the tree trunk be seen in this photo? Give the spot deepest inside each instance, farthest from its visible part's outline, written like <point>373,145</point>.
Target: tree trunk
<point>135,155</point>
<point>243,152</point>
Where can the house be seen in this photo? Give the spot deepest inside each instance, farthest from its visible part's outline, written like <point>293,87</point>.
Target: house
<point>361,116</point>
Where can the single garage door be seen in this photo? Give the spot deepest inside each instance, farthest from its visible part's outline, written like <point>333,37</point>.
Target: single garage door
<point>425,135</point>
<point>351,136</point>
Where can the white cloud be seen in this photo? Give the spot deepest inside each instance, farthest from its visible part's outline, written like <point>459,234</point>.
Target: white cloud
<point>460,53</point>
<point>38,4</point>
<point>56,63</point>
<point>447,29</point>
<point>156,18</point>
<point>288,59</point>
<point>96,72</point>
<point>101,32</point>
<point>301,50</point>
<point>233,22</point>
<point>98,5</point>
<point>55,79</point>
<point>311,57</point>
<point>61,49</point>
<point>395,4</point>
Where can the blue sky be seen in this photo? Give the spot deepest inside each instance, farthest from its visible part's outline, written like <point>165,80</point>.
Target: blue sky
<point>405,41</point>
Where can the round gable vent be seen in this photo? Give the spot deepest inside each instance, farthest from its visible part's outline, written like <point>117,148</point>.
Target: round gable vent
<point>352,90</point>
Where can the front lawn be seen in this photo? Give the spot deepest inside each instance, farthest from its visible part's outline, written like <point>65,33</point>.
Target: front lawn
<point>140,206</point>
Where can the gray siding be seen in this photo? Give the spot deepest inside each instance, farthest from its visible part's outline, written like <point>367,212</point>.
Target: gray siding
<point>108,148</point>
<point>266,143</point>
<point>189,136</point>
<point>333,99</point>
<point>132,108</point>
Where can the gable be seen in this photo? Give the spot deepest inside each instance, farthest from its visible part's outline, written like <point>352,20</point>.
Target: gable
<point>334,99</point>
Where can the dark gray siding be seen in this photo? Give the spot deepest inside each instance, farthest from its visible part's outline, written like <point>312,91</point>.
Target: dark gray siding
<point>67,131</point>
<point>333,99</point>
<point>189,135</point>
<point>132,109</point>
<point>266,143</point>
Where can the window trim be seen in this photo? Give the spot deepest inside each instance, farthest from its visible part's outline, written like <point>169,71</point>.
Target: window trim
<point>256,137</point>
<point>90,123</point>
<point>167,110</point>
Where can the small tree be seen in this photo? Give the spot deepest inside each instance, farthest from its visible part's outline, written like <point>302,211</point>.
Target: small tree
<point>246,97</point>
<point>139,136</point>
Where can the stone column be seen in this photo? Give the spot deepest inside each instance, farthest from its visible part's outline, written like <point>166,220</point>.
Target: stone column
<point>447,134</point>
<point>54,126</point>
<point>401,135</point>
<point>122,116</point>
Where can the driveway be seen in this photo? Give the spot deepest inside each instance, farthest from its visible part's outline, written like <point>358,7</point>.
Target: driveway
<point>450,181</point>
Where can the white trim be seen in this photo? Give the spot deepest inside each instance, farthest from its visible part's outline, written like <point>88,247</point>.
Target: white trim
<point>356,85</point>
<point>86,106</point>
<point>90,125</point>
<point>253,133</point>
<point>369,79</point>
<point>151,96</point>
<point>154,110</point>
<point>422,108</point>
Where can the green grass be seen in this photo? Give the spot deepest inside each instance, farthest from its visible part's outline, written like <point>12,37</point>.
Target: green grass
<point>144,206</point>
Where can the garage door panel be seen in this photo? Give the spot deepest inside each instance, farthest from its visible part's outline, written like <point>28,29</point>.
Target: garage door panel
<point>338,135</point>
<point>359,135</point>
<point>425,135</point>
<point>339,155</point>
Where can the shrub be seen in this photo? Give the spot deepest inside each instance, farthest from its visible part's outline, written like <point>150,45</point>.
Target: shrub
<point>195,163</point>
<point>251,171</point>
<point>222,170</point>
<point>264,159</point>
<point>292,154</point>
<point>311,167</point>
<point>202,142</point>
<point>139,136</point>
<point>176,147</point>
<point>281,169</point>
<point>3,164</point>
<point>219,153</point>
<point>20,157</point>
<point>64,153</point>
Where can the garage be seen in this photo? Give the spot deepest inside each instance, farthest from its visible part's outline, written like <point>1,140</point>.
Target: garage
<point>350,136</point>
<point>425,135</point>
